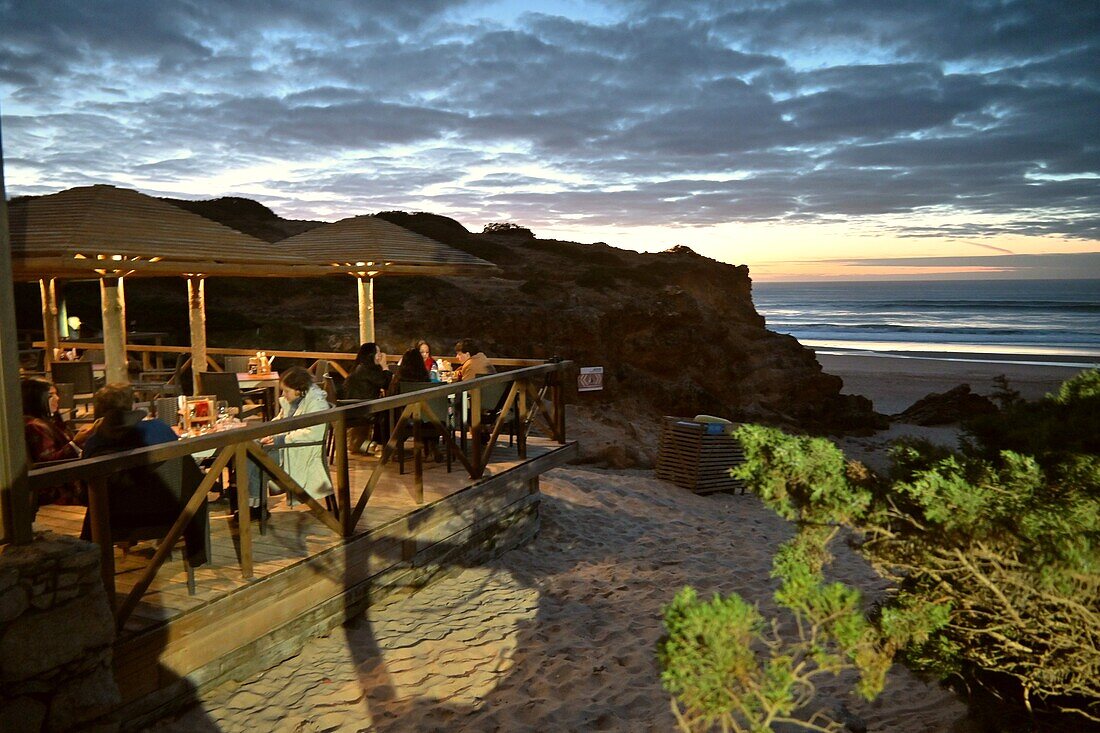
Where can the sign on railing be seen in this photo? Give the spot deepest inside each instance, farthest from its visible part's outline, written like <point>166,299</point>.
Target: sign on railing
<point>590,379</point>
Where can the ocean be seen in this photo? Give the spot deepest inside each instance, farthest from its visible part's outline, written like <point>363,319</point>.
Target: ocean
<point>1050,322</point>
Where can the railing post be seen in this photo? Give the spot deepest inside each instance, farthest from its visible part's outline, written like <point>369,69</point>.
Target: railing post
<point>99,517</point>
<point>475,431</point>
<point>418,454</point>
<point>244,516</point>
<point>557,393</point>
<point>343,479</point>
<point>521,419</point>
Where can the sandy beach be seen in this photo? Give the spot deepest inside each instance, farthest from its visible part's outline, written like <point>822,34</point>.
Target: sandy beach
<point>893,383</point>
<point>559,635</point>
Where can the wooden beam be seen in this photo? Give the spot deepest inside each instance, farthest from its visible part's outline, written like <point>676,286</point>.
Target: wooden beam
<point>113,299</point>
<point>244,518</point>
<point>15,505</point>
<point>196,308</point>
<point>48,288</point>
<point>366,309</point>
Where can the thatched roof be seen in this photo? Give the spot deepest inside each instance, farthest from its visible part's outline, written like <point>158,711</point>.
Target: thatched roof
<point>98,230</point>
<point>90,230</point>
<point>363,244</point>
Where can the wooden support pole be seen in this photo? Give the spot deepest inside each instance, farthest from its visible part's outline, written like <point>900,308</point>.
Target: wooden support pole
<point>366,309</point>
<point>558,396</point>
<point>418,454</point>
<point>521,421</point>
<point>196,308</point>
<point>244,519</point>
<point>48,288</point>
<point>475,431</point>
<point>15,504</point>
<point>343,477</point>
<point>113,300</point>
<point>99,517</point>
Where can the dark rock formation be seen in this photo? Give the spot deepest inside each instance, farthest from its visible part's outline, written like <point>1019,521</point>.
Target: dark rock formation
<point>953,406</point>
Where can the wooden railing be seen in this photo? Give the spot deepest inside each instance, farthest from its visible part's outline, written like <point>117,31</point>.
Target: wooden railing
<point>151,355</point>
<point>535,392</point>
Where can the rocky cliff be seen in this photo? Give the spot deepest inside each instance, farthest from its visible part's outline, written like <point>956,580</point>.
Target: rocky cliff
<point>676,333</point>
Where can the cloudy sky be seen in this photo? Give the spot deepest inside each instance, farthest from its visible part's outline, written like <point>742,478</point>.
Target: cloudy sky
<point>804,138</point>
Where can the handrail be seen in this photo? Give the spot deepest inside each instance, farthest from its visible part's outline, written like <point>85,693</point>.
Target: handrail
<point>107,464</point>
<point>224,351</point>
<point>237,445</point>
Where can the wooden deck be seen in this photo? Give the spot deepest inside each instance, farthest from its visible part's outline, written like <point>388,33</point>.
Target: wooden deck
<point>306,578</point>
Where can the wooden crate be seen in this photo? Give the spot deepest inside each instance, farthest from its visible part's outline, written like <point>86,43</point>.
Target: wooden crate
<point>692,458</point>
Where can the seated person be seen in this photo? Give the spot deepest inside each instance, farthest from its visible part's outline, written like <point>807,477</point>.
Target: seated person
<point>412,369</point>
<point>48,439</point>
<point>301,451</point>
<point>369,377</point>
<point>426,355</point>
<point>367,381</point>
<point>473,362</point>
<point>118,426</point>
<point>142,496</point>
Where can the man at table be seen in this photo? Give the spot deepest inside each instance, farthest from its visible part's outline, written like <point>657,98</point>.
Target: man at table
<point>472,361</point>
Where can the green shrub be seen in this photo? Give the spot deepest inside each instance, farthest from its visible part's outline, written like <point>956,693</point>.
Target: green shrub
<point>727,665</point>
<point>993,558</point>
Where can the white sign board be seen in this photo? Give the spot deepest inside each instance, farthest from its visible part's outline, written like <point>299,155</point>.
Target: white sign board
<point>590,379</point>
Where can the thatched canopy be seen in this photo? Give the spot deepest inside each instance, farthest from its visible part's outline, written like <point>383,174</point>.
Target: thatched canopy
<point>95,230</point>
<point>368,245</point>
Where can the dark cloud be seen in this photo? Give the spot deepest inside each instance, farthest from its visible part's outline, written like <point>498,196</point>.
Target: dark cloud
<point>662,112</point>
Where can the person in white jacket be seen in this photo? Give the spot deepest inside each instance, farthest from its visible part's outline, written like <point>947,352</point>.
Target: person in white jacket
<point>300,452</point>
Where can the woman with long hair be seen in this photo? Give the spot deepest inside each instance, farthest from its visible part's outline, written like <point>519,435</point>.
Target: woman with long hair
<point>426,354</point>
<point>48,439</point>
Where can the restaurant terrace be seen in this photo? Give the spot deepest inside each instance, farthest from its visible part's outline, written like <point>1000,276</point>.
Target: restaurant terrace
<point>187,615</point>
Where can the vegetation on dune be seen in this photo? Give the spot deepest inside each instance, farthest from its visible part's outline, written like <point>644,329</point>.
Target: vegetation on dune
<point>993,556</point>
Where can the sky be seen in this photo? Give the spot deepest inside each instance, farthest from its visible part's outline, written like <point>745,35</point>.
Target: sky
<point>807,139</point>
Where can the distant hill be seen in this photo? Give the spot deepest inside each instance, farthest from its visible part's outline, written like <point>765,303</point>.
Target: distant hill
<point>248,216</point>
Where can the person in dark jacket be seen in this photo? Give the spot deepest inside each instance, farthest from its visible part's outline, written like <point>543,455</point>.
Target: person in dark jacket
<point>369,377</point>
<point>367,381</point>
<point>143,496</point>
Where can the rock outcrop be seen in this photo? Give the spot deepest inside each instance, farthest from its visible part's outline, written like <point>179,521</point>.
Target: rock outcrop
<point>947,408</point>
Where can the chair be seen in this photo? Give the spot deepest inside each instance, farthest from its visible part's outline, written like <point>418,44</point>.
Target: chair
<point>66,400</point>
<point>146,501</point>
<point>438,406</point>
<point>236,364</point>
<point>493,397</point>
<point>167,410</point>
<point>224,386</point>
<point>79,374</point>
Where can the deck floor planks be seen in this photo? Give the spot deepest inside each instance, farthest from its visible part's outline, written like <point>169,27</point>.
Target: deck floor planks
<point>293,535</point>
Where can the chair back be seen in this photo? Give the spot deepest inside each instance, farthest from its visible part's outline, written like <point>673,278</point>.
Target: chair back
<point>236,364</point>
<point>223,385</point>
<point>493,396</point>
<point>65,395</point>
<point>77,373</point>
<point>438,405</point>
<point>167,410</point>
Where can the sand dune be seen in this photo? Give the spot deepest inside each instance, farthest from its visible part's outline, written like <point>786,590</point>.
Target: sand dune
<point>556,636</point>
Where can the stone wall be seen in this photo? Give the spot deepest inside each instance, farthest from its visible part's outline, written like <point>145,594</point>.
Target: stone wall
<point>56,631</point>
